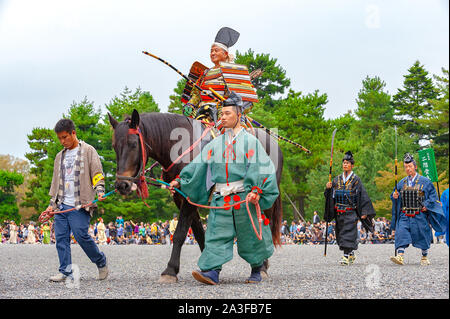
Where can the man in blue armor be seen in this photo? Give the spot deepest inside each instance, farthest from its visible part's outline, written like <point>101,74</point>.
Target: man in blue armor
<point>415,210</point>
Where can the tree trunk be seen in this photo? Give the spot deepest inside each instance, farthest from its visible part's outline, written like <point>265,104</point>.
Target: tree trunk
<point>301,205</point>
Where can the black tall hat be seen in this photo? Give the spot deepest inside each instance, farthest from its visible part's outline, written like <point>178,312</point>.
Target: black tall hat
<point>348,157</point>
<point>408,158</point>
<point>234,100</point>
<point>227,36</point>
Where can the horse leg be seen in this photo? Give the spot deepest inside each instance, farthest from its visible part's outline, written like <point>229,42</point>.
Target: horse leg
<point>199,232</point>
<point>169,275</point>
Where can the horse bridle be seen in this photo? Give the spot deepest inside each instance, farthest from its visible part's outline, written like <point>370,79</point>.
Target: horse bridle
<point>141,172</point>
<point>140,177</point>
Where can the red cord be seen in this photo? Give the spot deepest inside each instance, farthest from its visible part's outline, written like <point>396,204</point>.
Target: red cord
<point>246,200</point>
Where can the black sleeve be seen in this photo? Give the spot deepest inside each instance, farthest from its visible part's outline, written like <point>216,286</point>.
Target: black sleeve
<point>329,213</point>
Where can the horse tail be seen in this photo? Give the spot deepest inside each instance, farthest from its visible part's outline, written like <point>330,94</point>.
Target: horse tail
<point>275,225</point>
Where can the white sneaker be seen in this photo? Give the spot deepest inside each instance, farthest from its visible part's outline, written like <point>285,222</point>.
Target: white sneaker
<point>103,273</point>
<point>58,278</point>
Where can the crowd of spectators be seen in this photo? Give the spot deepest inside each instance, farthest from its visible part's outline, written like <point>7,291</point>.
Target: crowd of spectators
<point>121,232</point>
<point>313,233</point>
<point>28,233</point>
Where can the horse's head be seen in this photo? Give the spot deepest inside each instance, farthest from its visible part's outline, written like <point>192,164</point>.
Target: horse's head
<point>128,150</point>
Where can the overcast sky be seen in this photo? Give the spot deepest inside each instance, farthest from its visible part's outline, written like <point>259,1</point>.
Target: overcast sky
<point>53,53</point>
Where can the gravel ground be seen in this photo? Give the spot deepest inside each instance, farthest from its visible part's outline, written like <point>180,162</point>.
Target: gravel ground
<point>296,272</point>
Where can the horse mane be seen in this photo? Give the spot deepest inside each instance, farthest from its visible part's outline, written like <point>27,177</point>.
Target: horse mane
<point>158,127</point>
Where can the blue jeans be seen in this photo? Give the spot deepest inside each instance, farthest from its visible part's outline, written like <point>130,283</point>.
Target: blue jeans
<point>77,222</point>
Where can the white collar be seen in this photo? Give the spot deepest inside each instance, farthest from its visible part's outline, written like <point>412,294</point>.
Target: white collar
<point>234,136</point>
<point>348,177</point>
<point>412,179</point>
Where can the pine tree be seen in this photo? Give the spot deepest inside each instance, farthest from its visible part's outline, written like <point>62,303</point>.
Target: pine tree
<point>8,201</point>
<point>18,165</point>
<point>44,146</point>
<point>412,102</point>
<point>176,106</point>
<point>436,122</point>
<point>300,118</point>
<point>273,80</point>
<point>374,108</point>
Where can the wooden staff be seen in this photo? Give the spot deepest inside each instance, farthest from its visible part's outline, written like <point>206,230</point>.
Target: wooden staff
<point>396,178</point>
<point>329,180</point>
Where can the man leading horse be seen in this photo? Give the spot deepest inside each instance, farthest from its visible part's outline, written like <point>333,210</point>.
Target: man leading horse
<point>232,167</point>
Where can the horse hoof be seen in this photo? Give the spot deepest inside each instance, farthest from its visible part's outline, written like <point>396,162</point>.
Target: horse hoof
<point>264,275</point>
<point>166,279</point>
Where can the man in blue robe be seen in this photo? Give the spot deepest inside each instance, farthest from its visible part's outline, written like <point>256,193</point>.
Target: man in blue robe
<point>444,201</point>
<point>415,209</point>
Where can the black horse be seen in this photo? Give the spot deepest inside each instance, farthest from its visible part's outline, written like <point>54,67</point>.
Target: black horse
<point>156,129</point>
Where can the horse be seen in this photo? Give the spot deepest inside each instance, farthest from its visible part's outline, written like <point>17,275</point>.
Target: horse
<point>157,142</point>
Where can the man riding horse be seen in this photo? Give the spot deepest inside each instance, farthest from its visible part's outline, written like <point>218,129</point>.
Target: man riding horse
<point>225,77</point>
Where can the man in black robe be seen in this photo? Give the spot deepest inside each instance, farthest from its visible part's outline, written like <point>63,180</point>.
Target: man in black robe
<point>347,201</point>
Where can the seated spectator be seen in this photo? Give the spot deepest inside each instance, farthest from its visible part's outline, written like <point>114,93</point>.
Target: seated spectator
<point>301,238</point>
<point>380,238</point>
<point>316,235</point>
<point>130,240</point>
<point>363,236</point>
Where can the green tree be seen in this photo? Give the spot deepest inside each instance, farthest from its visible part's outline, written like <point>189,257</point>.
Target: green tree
<point>8,201</point>
<point>435,121</point>
<point>412,101</point>
<point>44,147</point>
<point>18,165</point>
<point>127,101</point>
<point>300,118</point>
<point>374,158</point>
<point>86,119</point>
<point>273,81</point>
<point>176,106</point>
<point>374,111</point>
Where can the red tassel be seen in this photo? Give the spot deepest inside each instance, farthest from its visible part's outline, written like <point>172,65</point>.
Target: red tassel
<point>266,221</point>
<point>144,188</point>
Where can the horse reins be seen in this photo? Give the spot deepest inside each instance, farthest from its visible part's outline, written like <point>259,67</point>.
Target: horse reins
<point>46,215</point>
<point>143,189</point>
<point>260,217</point>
